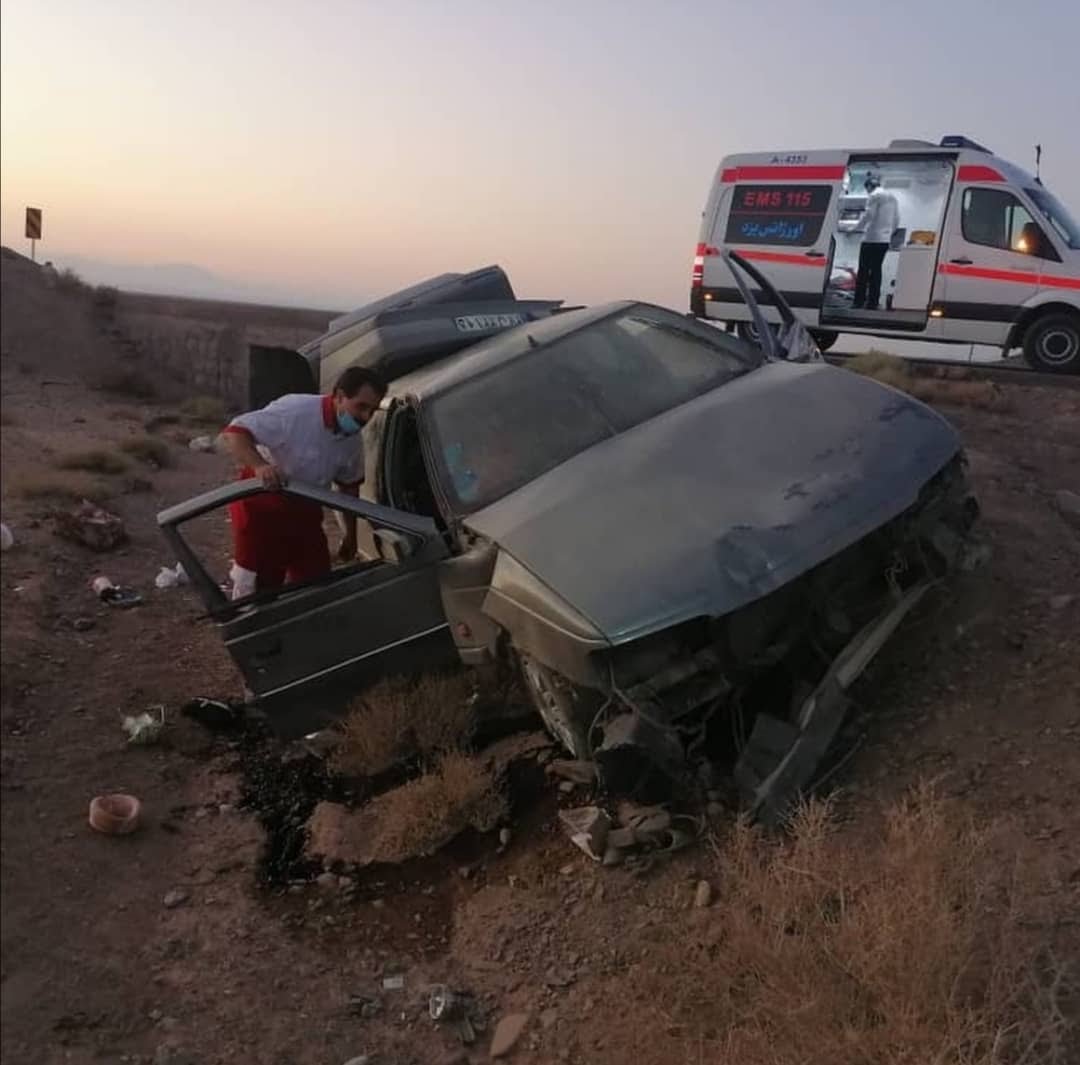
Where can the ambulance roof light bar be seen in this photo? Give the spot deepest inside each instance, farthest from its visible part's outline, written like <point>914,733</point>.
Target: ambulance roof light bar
<point>957,141</point>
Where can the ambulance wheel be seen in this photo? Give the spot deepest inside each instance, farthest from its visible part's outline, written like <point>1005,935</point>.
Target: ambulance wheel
<point>748,331</point>
<point>825,338</point>
<point>1052,343</point>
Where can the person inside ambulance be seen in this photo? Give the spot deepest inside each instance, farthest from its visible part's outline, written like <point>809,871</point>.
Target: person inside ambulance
<point>311,439</point>
<point>1031,241</point>
<point>878,223</point>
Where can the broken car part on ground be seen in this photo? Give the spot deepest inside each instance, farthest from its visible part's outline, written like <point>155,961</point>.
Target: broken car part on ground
<point>686,543</point>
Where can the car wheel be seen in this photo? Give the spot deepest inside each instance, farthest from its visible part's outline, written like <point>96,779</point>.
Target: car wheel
<point>1052,343</point>
<point>824,338</point>
<point>561,705</point>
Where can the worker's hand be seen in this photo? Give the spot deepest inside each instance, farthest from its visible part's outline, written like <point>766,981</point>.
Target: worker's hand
<point>270,475</point>
<point>347,550</point>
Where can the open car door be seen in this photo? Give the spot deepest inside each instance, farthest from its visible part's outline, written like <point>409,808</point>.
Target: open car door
<point>307,649</point>
<point>791,341</point>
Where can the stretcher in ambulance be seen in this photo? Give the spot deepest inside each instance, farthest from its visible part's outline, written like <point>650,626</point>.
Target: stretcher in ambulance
<point>945,243</point>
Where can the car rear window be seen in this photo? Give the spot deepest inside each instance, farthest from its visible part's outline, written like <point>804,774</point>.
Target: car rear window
<point>790,215</point>
<point>506,427</point>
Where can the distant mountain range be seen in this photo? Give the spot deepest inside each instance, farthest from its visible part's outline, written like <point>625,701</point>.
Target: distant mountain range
<point>187,279</point>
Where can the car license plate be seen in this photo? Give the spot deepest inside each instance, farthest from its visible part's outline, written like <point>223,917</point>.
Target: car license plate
<point>482,323</point>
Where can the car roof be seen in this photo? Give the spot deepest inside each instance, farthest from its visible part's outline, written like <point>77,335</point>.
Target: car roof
<point>504,347</point>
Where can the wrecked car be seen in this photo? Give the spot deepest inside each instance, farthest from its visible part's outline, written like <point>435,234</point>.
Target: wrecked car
<point>685,542</point>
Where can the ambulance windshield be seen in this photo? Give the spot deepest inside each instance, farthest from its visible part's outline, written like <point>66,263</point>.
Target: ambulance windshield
<point>1053,210</point>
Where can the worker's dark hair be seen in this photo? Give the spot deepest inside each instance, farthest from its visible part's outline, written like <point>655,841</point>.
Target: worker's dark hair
<point>355,377</point>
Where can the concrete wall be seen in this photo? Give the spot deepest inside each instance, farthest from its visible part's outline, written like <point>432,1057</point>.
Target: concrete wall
<point>204,343</point>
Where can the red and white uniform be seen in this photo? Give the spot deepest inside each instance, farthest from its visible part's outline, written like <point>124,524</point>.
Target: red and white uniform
<point>275,537</point>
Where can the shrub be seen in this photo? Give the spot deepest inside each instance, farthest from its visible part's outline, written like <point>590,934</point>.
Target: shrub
<point>93,460</point>
<point>821,950</point>
<point>401,718</point>
<point>205,409</point>
<point>59,487</point>
<point>127,381</point>
<point>149,449</point>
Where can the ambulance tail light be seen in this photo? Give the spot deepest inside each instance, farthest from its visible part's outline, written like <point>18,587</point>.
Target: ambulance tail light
<point>701,252</point>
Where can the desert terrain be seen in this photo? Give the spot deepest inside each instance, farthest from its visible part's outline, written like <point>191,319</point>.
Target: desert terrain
<point>940,924</point>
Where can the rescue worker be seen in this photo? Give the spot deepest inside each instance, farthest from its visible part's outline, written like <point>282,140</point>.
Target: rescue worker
<point>312,439</point>
<point>880,220</point>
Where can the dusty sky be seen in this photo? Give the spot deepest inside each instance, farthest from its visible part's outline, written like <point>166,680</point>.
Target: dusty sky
<point>336,150</point>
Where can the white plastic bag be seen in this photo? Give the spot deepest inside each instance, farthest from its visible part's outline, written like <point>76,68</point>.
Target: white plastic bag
<point>170,577</point>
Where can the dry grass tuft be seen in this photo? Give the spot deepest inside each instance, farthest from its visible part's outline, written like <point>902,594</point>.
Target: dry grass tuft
<point>952,390</point>
<point>127,381</point>
<point>825,951</point>
<point>71,487</point>
<point>209,410</point>
<point>402,717</point>
<point>425,814</point>
<point>93,460</point>
<point>883,367</point>
<point>69,281</point>
<point>149,449</point>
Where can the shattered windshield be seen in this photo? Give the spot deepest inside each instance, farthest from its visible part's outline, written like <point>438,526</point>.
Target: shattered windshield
<point>506,427</point>
<point>1053,210</point>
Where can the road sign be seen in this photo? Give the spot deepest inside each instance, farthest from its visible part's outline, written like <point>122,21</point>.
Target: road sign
<point>33,223</point>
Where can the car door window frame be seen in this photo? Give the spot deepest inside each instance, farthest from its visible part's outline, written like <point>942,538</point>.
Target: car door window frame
<point>416,528</point>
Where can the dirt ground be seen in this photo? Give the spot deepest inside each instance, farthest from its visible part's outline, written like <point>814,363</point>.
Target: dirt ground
<point>981,692</point>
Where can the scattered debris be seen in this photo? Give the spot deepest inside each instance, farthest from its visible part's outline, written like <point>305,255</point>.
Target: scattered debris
<point>83,624</point>
<point>573,770</point>
<point>457,1008</point>
<point>115,815</point>
<point>174,898</point>
<point>702,895</point>
<point>446,1005</point>
<point>215,715</point>
<point>201,443</point>
<point>91,526</point>
<point>113,595</point>
<point>171,577</point>
<point>366,1007</point>
<point>144,729</point>
<point>507,1032</point>
<point>6,538</point>
<point>588,827</point>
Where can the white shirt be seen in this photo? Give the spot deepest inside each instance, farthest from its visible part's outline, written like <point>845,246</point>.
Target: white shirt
<point>882,217</point>
<point>298,434</point>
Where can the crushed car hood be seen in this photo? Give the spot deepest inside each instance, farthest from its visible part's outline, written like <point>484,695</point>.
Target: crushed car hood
<point>722,500</point>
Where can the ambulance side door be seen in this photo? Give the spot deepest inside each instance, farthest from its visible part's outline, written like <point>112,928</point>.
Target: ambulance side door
<point>990,265</point>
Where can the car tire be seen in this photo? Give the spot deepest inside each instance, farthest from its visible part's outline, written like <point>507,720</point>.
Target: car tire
<point>1052,343</point>
<point>561,705</point>
<point>824,338</point>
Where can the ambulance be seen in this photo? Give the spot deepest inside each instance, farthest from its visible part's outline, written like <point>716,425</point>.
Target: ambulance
<point>975,250</point>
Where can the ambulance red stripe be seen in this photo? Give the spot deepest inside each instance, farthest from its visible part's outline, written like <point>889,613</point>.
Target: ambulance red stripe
<point>782,173</point>
<point>973,172</point>
<point>1022,277</point>
<point>781,257</point>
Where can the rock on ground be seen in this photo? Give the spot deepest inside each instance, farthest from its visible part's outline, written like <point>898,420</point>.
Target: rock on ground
<point>507,1032</point>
